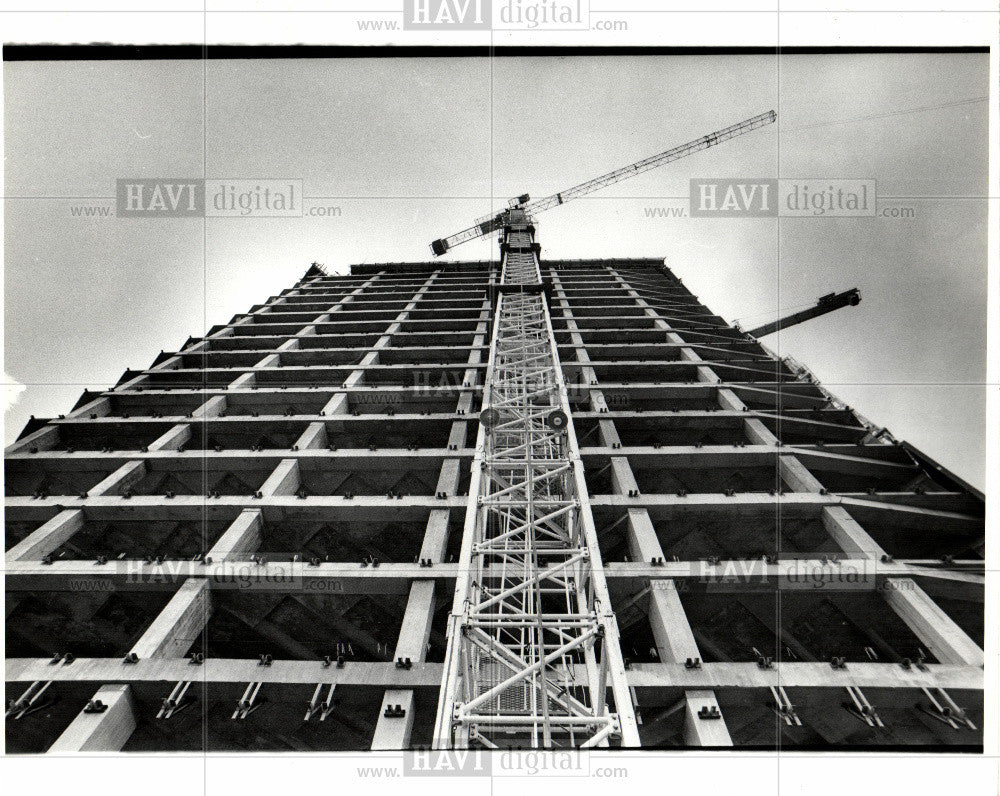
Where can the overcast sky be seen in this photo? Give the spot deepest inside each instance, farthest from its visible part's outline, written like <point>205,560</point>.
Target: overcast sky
<point>411,150</point>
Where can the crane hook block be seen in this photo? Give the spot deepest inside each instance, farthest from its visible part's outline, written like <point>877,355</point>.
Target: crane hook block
<point>439,247</point>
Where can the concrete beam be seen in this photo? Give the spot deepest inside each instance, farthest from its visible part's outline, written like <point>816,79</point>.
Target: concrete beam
<point>394,733</point>
<point>248,379</point>
<point>240,539</point>
<point>795,475</point>
<point>48,538</point>
<point>675,642</point>
<point>704,731</point>
<point>941,634</point>
<point>337,405</point>
<point>428,675</point>
<point>211,408</point>
<point>849,535</point>
<point>435,541</point>
<point>179,624</point>
<point>377,674</point>
<point>283,481</point>
<point>100,732</point>
<point>393,578</point>
<point>125,477</point>
<point>172,439</point>
<point>313,437</point>
<point>43,439</point>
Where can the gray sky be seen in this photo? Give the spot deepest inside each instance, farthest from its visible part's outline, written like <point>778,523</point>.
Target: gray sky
<point>427,143</point>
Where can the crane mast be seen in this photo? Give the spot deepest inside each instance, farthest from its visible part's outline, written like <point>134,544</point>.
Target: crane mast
<point>533,642</point>
<point>488,224</point>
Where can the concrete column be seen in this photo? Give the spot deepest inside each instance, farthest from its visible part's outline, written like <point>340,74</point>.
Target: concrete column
<point>642,541</point>
<point>436,536</point>
<point>269,361</point>
<point>674,639</point>
<point>622,478</point>
<point>416,626</point>
<point>394,732</point>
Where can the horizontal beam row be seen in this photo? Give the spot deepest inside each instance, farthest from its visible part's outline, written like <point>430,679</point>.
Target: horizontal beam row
<point>428,675</point>
<point>846,574</point>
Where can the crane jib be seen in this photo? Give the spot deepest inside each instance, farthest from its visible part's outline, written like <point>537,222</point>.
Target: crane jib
<point>485,226</point>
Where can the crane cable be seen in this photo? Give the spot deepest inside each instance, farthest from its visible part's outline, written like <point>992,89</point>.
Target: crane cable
<point>887,115</point>
<point>780,311</point>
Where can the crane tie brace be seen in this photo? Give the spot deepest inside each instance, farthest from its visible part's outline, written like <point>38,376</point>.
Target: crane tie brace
<point>533,644</point>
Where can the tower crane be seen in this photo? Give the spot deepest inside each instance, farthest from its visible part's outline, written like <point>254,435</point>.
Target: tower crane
<point>533,656</point>
<point>488,224</point>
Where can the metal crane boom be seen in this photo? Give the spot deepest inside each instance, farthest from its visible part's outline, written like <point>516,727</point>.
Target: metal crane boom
<point>825,304</point>
<point>488,224</point>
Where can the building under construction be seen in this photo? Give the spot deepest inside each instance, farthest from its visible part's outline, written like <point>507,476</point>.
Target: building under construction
<point>528,502</point>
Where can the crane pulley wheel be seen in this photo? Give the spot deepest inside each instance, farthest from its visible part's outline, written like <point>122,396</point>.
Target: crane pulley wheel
<point>557,420</point>
<point>489,417</point>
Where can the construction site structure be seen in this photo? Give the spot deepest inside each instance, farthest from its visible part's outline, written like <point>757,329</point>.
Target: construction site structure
<point>533,502</point>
